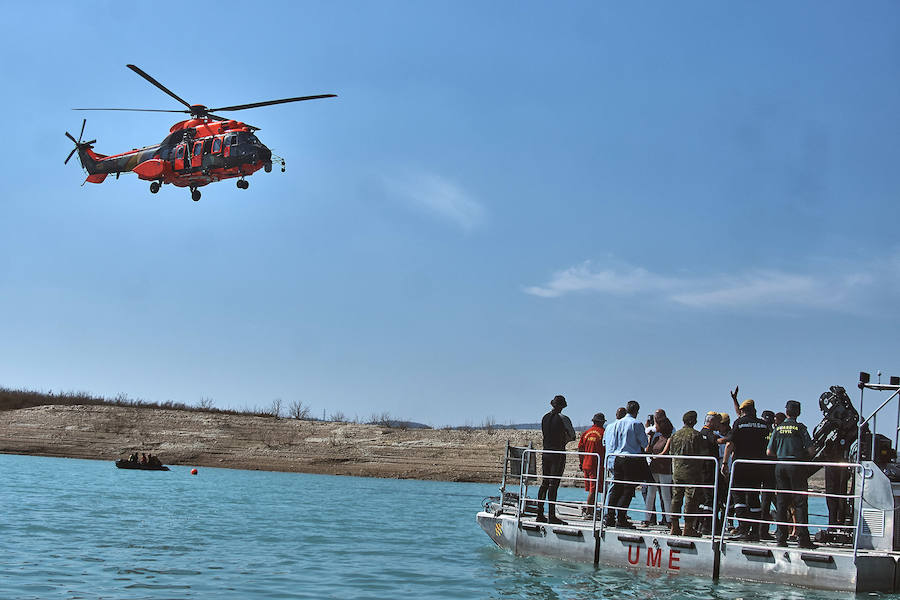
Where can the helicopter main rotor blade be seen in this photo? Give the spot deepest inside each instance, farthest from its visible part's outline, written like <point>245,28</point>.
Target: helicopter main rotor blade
<point>138,109</point>
<point>157,84</point>
<point>83,123</point>
<point>65,162</point>
<point>270,102</point>
<point>69,135</point>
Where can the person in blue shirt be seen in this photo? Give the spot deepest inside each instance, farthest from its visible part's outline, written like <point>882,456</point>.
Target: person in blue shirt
<point>625,436</point>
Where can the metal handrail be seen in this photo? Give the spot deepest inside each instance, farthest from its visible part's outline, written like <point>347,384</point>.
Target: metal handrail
<point>682,514</point>
<point>523,484</point>
<point>858,497</point>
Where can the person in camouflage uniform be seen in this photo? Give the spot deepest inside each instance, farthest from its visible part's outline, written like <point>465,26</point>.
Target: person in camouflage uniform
<point>686,474</point>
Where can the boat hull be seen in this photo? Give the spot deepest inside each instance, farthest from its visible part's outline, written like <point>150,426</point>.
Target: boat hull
<point>659,553</point>
<point>124,464</point>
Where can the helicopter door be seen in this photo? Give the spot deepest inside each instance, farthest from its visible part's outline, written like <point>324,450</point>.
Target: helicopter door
<point>178,163</point>
<point>197,155</point>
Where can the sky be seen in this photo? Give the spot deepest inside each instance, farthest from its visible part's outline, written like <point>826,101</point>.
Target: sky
<point>651,201</point>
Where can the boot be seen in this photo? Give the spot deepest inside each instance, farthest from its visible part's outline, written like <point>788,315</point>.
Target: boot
<point>806,543</point>
<point>751,533</point>
<point>675,529</point>
<point>690,527</point>
<point>551,516</point>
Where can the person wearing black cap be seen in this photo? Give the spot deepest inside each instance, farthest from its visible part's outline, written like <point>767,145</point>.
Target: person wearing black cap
<point>747,440</point>
<point>558,431</point>
<point>591,444</point>
<point>790,442</point>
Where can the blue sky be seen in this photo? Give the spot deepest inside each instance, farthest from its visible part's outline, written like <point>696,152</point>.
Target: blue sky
<point>652,201</point>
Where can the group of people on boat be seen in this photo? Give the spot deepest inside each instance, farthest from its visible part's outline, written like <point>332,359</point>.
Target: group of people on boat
<point>688,483</point>
<point>144,459</point>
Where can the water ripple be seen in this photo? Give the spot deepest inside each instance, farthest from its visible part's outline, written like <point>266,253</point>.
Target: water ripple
<point>83,529</point>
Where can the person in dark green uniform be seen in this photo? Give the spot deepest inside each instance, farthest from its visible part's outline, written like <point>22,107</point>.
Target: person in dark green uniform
<point>686,474</point>
<point>790,442</point>
<point>710,434</point>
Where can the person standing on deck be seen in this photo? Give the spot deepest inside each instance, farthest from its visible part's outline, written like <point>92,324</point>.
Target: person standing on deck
<point>558,432</point>
<point>625,436</point>
<point>591,443</point>
<point>686,474</point>
<point>660,471</point>
<point>790,442</point>
<point>767,498</point>
<point>747,440</point>
<point>710,434</point>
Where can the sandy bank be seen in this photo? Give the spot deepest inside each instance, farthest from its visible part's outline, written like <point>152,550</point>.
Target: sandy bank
<point>249,442</point>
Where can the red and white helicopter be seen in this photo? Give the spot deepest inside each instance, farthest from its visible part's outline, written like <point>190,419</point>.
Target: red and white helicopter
<point>198,151</point>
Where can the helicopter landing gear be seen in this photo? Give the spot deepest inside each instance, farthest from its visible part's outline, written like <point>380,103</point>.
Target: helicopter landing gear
<point>154,187</point>
<point>243,184</point>
<point>195,194</point>
<point>268,167</point>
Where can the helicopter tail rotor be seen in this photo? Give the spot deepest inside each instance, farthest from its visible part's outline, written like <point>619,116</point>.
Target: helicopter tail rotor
<point>78,143</point>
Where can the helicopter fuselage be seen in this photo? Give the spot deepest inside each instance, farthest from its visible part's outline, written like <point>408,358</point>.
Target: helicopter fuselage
<point>195,153</point>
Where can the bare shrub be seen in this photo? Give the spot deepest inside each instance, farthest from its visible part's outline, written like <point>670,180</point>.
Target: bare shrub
<point>338,417</point>
<point>298,410</point>
<point>489,425</point>
<point>383,419</point>
<point>275,408</point>
<point>205,404</point>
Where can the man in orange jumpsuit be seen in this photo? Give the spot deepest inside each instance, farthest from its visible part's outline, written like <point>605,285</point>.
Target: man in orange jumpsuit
<point>591,443</point>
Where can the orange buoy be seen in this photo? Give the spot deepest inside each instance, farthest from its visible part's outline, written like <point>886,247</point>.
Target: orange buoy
<point>193,471</point>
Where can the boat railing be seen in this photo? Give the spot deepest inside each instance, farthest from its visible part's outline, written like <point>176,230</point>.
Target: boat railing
<point>855,528</point>
<point>529,458</point>
<point>604,479</point>
<point>712,469</point>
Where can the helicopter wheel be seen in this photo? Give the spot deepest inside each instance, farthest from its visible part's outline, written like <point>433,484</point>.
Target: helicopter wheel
<point>195,194</point>
<point>154,187</point>
<point>243,184</point>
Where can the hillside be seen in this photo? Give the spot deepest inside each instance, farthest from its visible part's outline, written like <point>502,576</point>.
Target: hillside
<point>198,438</point>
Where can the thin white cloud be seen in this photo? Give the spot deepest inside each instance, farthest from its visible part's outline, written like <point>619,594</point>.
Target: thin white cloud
<point>584,278</point>
<point>439,197</point>
<point>843,287</point>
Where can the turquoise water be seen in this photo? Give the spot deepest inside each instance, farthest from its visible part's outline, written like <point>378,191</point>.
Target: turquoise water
<point>84,529</point>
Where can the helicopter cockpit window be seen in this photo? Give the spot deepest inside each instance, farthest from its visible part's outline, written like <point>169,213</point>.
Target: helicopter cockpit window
<point>180,152</point>
<point>217,145</point>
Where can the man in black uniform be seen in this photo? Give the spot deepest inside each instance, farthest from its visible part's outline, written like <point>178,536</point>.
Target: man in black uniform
<point>767,498</point>
<point>747,439</point>
<point>558,431</point>
<point>790,442</point>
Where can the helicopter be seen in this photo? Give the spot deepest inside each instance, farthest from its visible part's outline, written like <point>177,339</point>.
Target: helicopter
<point>203,149</point>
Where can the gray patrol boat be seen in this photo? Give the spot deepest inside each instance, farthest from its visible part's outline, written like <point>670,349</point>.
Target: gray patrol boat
<point>856,552</point>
